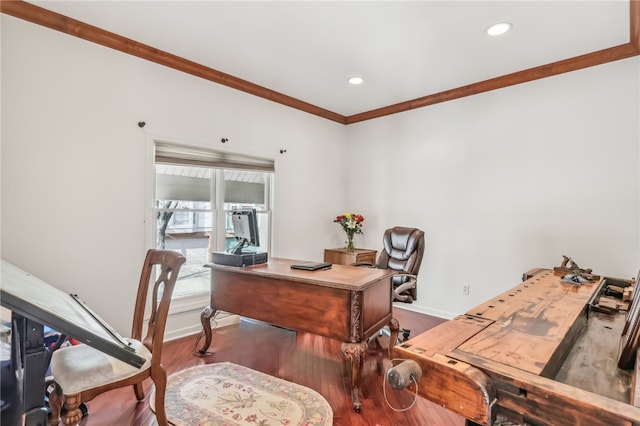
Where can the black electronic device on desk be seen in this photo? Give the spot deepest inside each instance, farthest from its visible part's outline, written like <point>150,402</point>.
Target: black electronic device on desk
<point>246,233</point>
<point>244,259</point>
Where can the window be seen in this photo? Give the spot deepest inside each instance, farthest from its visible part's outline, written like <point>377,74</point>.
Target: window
<point>195,192</point>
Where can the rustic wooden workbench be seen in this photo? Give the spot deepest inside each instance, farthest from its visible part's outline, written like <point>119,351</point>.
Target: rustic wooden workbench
<point>537,354</point>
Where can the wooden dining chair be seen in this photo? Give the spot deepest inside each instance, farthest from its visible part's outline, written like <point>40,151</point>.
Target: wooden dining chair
<point>82,372</point>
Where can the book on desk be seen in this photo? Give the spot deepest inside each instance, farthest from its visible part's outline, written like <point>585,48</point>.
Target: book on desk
<point>311,266</point>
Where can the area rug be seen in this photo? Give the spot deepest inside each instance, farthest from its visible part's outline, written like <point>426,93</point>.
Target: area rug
<point>226,394</point>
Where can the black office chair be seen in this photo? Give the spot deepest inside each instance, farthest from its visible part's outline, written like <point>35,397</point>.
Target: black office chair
<point>402,251</point>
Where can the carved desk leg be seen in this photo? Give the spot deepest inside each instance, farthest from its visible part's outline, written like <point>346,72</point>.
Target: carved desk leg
<point>354,353</point>
<point>394,330</point>
<point>205,319</point>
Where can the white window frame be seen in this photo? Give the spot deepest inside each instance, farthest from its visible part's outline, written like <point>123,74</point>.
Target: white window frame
<point>195,300</point>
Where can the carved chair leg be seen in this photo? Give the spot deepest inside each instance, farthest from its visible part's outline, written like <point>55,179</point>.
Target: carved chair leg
<point>159,378</point>
<point>161,415</point>
<point>138,389</point>
<point>56,399</point>
<point>73,414</point>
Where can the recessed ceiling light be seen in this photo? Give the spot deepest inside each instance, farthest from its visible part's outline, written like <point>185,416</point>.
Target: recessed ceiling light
<point>499,28</point>
<point>356,81</point>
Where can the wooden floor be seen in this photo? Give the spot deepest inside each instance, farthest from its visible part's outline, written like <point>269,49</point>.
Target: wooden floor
<point>309,360</point>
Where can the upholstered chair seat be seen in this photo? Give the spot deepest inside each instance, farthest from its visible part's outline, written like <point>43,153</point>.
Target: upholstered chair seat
<point>80,368</point>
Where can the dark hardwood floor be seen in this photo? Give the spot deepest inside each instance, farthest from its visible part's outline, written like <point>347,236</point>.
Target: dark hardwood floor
<point>307,359</point>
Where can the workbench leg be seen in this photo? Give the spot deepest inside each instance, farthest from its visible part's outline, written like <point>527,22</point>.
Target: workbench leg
<point>354,354</point>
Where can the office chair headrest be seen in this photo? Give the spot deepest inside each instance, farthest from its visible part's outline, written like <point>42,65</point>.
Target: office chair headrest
<point>400,242</point>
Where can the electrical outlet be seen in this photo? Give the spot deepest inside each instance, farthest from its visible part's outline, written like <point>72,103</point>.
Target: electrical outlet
<point>465,289</point>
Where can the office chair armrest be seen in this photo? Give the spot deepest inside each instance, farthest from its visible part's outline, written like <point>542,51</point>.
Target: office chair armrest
<point>367,264</point>
<point>412,277</point>
<point>409,285</point>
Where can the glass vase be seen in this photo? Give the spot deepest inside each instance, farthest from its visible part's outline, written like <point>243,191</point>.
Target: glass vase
<point>350,246</point>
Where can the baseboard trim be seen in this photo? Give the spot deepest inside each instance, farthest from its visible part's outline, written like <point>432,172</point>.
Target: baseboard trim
<point>223,320</point>
<point>426,311</point>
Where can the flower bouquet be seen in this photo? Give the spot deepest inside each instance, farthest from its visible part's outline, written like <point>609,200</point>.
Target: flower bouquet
<point>352,224</point>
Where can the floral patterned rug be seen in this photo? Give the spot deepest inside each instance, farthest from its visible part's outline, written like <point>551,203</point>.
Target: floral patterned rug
<point>226,394</point>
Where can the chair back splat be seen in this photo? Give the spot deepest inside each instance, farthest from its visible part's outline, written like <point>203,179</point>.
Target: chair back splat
<point>166,261</point>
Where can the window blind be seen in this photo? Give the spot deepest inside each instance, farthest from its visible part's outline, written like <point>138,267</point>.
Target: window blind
<point>169,153</point>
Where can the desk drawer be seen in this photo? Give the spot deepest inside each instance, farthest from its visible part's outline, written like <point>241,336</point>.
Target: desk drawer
<point>368,258</point>
<point>342,256</point>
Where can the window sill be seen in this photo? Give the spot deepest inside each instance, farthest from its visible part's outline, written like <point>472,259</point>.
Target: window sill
<point>189,302</point>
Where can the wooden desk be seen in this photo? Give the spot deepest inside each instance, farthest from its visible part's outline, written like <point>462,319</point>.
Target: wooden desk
<point>342,256</point>
<point>347,303</point>
<point>505,359</point>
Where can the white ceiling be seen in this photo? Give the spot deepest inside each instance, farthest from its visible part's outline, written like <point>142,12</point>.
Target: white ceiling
<point>404,50</point>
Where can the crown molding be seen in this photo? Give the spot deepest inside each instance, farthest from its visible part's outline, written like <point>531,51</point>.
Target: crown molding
<point>40,16</point>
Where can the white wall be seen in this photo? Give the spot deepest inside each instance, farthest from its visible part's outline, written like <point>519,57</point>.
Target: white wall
<point>509,180</point>
<point>73,160</point>
<point>501,182</point>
